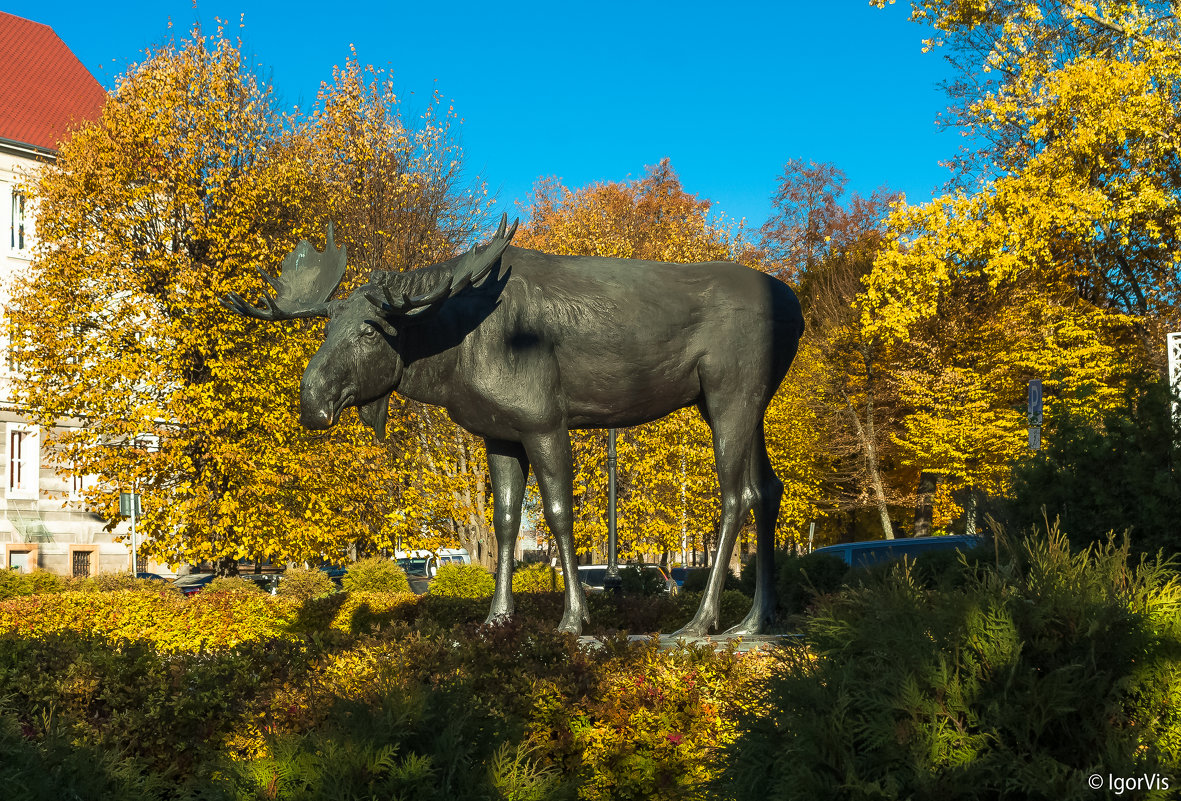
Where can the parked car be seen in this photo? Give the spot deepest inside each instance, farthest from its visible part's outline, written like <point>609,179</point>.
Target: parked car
<point>593,576</point>
<point>678,574</point>
<point>193,583</point>
<point>426,563</point>
<point>333,572</point>
<point>872,552</point>
<point>151,576</point>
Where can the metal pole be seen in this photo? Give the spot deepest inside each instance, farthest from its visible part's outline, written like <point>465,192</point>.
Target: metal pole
<point>134,548</point>
<point>613,581</point>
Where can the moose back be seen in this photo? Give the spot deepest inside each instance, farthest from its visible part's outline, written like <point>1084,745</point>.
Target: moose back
<point>520,347</point>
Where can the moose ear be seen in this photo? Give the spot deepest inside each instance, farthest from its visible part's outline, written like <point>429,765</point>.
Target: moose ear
<point>374,414</point>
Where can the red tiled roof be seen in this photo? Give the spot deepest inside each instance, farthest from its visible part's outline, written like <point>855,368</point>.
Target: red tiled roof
<point>45,92</point>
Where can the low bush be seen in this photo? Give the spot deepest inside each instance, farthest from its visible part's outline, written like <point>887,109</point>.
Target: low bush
<point>463,581</point>
<point>696,578</point>
<point>207,621</point>
<point>537,577</point>
<point>375,574</point>
<point>304,584</point>
<point>110,582</point>
<point>638,581</point>
<point>637,614</point>
<point>800,580</point>
<point>1017,680</point>
<point>232,585</point>
<point>13,583</point>
<point>51,767</point>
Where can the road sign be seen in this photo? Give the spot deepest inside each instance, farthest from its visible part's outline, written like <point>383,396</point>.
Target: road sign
<point>1035,402</point>
<point>1035,414</point>
<point>1173,345</point>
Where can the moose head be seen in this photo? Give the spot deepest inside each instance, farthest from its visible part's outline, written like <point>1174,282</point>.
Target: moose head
<point>360,363</point>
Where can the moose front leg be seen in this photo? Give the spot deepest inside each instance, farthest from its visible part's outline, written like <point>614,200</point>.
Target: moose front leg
<point>553,464</point>
<point>509,468</point>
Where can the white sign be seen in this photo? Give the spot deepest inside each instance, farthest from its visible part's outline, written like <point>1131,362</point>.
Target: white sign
<point>1173,345</point>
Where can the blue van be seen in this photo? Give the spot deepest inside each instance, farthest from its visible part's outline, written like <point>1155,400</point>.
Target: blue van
<point>872,552</point>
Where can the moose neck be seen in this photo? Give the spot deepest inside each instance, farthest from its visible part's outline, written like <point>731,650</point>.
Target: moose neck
<point>427,371</point>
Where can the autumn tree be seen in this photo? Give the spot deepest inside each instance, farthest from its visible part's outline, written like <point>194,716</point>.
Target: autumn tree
<point>400,199</point>
<point>828,241</point>
<point>668,490</point>
<point>1060,260</point>
<point>189,182</point>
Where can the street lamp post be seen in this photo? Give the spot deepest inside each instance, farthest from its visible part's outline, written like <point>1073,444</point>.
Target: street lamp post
<point>129,507</point>
<point>613,581</point>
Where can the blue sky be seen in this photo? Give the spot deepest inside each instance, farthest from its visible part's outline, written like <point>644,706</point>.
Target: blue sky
<point>596,91</point>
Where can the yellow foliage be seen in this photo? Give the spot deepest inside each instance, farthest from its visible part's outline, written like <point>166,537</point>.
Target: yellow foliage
<point>189,182</point>
<point>1063,264</point>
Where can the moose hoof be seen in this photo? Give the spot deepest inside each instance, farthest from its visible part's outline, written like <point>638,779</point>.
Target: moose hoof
<point>747,628</point>
<point>498,618</point>
<point>693,630</point>
<point>571,625</point>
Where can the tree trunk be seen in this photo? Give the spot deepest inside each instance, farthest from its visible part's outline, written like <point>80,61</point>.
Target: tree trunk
<point>924,503</point>
<point>865,434</point>
<point>970,514</point>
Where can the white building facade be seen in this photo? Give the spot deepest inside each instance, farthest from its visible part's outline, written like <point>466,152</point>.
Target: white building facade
<point>45,92</point>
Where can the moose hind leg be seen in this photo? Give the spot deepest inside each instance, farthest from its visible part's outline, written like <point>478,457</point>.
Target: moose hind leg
<point>508,468</point>
<point>766,492</point>
<point>732,434</point>
<point>553,464</point>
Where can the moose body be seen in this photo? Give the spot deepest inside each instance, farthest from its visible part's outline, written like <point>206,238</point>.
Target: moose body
<point>520,347</point>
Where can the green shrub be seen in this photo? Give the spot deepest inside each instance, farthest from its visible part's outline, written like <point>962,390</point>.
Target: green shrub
<point>638,614</point>
<point>697,577</point>
<point>233,584</point>
<point>801,579</point>
<point>207,621</point>
<point>13,583</point>
<point>375,574</point>
<point>537,577</point>
<point>463,581</point>
<point>638,581</point>
<point>1022,681</point>
<point>50,767</point>
<point>1117,473</point>
<point>304,584</point>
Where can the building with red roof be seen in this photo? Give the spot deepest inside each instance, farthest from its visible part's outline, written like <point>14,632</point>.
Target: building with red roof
<point>45,94</point>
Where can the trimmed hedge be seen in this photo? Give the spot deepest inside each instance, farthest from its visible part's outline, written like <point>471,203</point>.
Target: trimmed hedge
<point>463,581</point>
<point>537,577</point>
<point>375,574</point>
<point>305,584</point>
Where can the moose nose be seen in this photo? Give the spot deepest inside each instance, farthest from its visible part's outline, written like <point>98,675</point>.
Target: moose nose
<point>315,419</point>
<point>315,401</point>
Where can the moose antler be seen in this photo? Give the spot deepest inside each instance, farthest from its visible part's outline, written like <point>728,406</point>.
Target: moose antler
<point>471,269</point>
<point>308,280</point>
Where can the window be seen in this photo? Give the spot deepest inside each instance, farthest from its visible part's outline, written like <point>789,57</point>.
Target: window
<point>81,564</point>
<point>18,240</point>
<point>79,483</point>
<point>19,560</point>
<point>23,462</point>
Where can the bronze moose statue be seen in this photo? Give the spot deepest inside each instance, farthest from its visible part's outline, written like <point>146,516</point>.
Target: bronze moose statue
<point>520,347</point>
